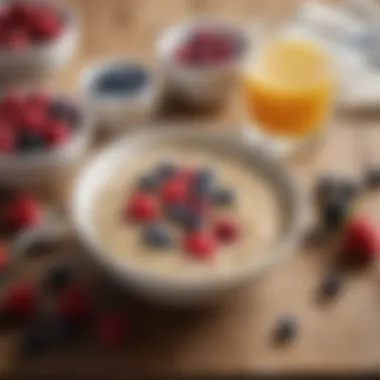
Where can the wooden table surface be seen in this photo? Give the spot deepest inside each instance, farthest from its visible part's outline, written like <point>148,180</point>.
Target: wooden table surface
<point>236,336</point>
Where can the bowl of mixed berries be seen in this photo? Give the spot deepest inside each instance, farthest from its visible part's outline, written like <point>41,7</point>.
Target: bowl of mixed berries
<point>201,60</point>
<point>40,135</point>
<point>35,36</point>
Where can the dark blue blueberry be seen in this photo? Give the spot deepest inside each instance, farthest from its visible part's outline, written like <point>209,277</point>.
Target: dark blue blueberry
<point>335,213</point>
<point>287,329</point>
<point>194,220</point>
<point>165,170</point>
<point>148,182</point>
<point>122,80</point>
<point>203,183</point>
<point>177,213</point>
<point>331,285</point>
<point>58,277</point>
<point>157,235</point>
<point>63,110</point>
<point>30,142</point>
<point>223,196</point>
<point>372,178</point>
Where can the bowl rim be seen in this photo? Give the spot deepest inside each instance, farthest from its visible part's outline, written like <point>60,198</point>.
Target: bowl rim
<point>165,52</point>
<point>133,273</point>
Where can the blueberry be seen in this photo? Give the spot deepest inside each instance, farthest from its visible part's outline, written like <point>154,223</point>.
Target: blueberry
<point>335,213</point>
<point>203,183</point>
<point>157,235</point>
<point>223,196</point>
<point>177,213</point>
<point>372,178</point>
<point>331,285</point>
<point>59,277</point>
<point>148,182</point>
<point>63,110</point>
<point>30,142</point>
<point>165,170</point>
<point>194,221</point>
<point>287,329</point>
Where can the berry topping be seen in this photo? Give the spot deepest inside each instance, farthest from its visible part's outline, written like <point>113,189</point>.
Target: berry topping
<point>143,207</point>
<point>7,139</point>
<point>174,191</point>
<point>201,245</point>
<point>20,300</point>
<point>74,304</point>
<point>157,235</point>
<point>57,133</point>
<point>148,182</point>
<point>226,230</point>
<point>223,196</point>
<point>165,170</point>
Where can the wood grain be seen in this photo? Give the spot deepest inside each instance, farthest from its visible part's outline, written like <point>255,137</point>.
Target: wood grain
<point>235,337</point>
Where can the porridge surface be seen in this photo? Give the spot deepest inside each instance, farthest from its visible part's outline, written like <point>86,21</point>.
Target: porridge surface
<point>256,210</point>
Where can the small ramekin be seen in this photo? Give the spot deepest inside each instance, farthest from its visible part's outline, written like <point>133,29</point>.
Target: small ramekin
<point>116,113</point>
<point>200,86</point>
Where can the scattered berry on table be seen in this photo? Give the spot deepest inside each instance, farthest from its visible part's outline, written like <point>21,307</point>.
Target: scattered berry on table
<point>331,285</point>
<point>226,230</point>
<point>223,196</point>
<point>112,329</point>
<point>59,277</point>
<point>24,211</point>
<point>287,329</point>
<point>20,300</point>
<point>143,207</point>
<point>157,235</point>
<point>361,240</point>
<point>74,304</point>
<point>201,245</point>
<point>372,177</point>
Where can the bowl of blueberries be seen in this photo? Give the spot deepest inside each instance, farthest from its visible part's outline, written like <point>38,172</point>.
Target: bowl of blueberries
<point>201,60</point>
<point>120,92</point>
<point>36,37</point>
<point>41,135</point>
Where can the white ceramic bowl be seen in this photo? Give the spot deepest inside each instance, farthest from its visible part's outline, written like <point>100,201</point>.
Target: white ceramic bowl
<point>44,58</point>
<point>119,112</point>
<point>38,169</point>
<point>199,86</point>
<point>178,290</point>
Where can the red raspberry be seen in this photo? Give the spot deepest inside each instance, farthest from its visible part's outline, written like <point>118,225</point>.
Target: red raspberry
<point>20,12</point>
<point>142,207</point>
<point>57,133</point>
<point>201,245</point>
<point>4,258</point>
<point>361,239</point>
<point>112,329</point>
<point>185,55</point>
<point>46,24</point>
<point>175,191</point>
<point>226,230</point>
<point>20,300</point>
<point>23,212</point>
<point>34,119</point>
<point>74,304</point>
<point>17,40</point>
<point>7,139</point>
<point>39,100</point>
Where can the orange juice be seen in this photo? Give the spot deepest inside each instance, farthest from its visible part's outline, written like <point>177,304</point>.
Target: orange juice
<point>289,87</point>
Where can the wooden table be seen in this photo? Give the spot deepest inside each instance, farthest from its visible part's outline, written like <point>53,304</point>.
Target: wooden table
<point>236,336</point>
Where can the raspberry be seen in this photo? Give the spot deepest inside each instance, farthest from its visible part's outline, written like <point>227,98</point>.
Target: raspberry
<point>143,207</point>
<point>361,239</point>
<point>23,212</point>
<point>112,329</point>
<point>39,100</point>
<point>74,304</point>
<point>46,24</point>
<point>34,119</point>
<point>57,133</point>
<point>17,40</point>
<point>174,191</point>
<point>4,258</point>
<point>201,245</point>
<point>226,230</point>
<point>7,139</point>
<point>20,300</point>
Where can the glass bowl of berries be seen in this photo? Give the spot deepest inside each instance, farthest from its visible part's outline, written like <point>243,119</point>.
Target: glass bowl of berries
<point>201,60</point>
<point>185,216</point>
<point>41,135</point>
<point>36,37</point>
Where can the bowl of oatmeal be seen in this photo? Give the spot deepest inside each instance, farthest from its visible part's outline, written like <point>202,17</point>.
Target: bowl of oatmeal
<point>182,216</point>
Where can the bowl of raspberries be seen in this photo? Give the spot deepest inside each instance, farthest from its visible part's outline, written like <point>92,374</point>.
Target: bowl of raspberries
<point>36,36</point>
<point>201,60</point>
<point>40,134</point>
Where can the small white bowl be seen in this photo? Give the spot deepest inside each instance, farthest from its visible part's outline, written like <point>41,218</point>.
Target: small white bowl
<point>46,167</point>
<point>44,58</point>
<point>120,111</point>
<point>205,85</point>
<point>178,290</point>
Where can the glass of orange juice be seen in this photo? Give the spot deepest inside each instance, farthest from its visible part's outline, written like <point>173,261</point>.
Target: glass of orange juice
<point>288,87</point>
